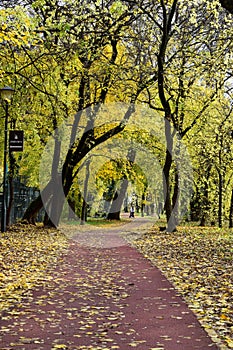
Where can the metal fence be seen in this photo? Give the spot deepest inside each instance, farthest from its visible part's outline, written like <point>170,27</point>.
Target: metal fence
<point>23,196</point>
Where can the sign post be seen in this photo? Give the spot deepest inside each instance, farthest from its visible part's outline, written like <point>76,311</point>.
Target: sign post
<point>16,141</point>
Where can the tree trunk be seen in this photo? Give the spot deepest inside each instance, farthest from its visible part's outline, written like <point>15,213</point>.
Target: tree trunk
<point>52,208</point>
<point>205,203</point>
<point>171,224</point>
<point>71,209</point>
<point>51,197</point>
<point>231,211</point>
<point>37,204</point>
<point>175,197</point>
<point>143,204</point>
<point>220,188</point>
<point>166,29</point>
<point>84,205</point>
<point>114,212</point>
<point>73,157</point>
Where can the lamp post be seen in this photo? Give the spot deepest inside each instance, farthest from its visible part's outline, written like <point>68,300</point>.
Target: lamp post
<point>6,95</point>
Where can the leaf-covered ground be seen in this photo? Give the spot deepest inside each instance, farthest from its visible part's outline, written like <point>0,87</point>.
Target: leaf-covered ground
<point>26,254</point>
<point>110,298</point>
<point>199,262</point>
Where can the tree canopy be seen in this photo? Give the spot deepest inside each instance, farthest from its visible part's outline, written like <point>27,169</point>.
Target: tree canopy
<point>71,63</point>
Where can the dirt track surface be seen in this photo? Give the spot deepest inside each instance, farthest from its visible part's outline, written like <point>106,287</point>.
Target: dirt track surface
<point>104,295</point>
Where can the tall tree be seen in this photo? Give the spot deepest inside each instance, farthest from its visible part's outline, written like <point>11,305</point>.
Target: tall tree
<point>95,37</point>
<point>186,64</point>
<point>74,56</point>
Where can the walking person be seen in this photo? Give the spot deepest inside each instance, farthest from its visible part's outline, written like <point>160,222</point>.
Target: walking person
<point>131,213</point>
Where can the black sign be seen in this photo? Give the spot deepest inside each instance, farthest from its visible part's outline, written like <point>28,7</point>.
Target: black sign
<point>16,141</point>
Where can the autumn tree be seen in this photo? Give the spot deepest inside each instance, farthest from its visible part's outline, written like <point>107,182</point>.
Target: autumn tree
<point>75,57</point>
<point>211,148</point>
<point>188,76</point>
<point>94,36</point>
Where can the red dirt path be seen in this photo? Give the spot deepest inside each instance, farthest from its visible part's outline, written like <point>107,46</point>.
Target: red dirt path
<point>104,298</point>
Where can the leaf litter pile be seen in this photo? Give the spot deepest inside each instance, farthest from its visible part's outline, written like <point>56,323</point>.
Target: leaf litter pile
<point>26,254</point>
<point>199,263</point>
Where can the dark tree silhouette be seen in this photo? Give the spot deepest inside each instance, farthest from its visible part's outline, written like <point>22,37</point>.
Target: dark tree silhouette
<point>227,4</point>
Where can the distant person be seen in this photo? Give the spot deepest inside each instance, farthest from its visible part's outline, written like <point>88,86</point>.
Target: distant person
<point>131,213</point>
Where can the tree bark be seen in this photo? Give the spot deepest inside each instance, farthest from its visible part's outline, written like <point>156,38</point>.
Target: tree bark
<point>52,208</point>
<point>114,212</point>
<point>143,204</point>
<point>71,209</point>
<point>37,204</point>
<point>84,204</point>
<point>167,24</point>
<point>176,196</point>
<point>171,222</point>
<point>220,189</point>
<point>231,211</point>
<point>205,200</point>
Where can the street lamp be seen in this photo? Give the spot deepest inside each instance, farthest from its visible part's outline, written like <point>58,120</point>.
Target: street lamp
<point>6,95</point>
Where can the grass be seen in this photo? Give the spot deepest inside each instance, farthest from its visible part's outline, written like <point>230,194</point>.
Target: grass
<point>99,222</point>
